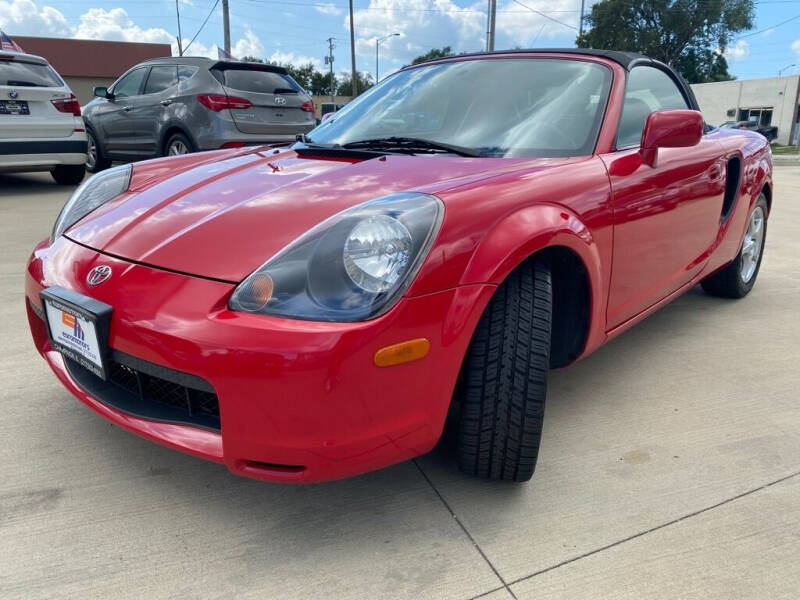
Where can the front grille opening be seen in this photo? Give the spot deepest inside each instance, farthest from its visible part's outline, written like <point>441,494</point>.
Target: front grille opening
<point>150,391</point>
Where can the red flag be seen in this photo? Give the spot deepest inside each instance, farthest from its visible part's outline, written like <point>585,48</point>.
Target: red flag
<point>6,43</point>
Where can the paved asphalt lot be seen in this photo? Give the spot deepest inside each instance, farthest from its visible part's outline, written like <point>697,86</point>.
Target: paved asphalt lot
<point>670,468</point>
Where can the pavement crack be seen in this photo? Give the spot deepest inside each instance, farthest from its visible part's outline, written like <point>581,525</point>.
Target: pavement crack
<point>467,533</point>
<point>652,529</point>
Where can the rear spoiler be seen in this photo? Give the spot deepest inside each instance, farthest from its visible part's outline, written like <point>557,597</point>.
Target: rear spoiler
<point>233,65</point>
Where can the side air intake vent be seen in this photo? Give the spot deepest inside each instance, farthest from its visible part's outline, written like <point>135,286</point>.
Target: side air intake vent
<point>732,185</point>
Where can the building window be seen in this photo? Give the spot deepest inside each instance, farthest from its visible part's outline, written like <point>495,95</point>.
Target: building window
<point>759,116</point>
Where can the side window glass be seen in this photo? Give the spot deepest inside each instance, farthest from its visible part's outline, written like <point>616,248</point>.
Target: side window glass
<point>648,89</point>
<point>161,78</point>
<point>130,84</point>
<point>186,72</point>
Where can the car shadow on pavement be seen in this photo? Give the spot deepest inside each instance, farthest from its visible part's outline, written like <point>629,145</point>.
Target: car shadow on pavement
<point>30,184</point>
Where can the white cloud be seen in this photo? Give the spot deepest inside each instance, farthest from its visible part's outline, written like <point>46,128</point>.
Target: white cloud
<point>329,9</point>
<point>294,58</point>
<point>115,24</point>
<point>22,17</point>
<point>739,51</point>
<point>796,48</point>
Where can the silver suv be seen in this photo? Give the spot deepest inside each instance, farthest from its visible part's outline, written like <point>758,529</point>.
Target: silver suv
<point>171,106</point>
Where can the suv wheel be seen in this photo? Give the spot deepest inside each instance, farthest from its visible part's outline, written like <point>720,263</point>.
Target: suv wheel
<point>95,158</point>
<point>69,174</point>
<point>177,145</point>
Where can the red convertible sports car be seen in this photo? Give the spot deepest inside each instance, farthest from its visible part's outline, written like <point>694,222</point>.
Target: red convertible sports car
<point>433,249</point>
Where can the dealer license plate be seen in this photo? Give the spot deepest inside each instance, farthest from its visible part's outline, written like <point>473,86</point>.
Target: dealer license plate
<point>78,327</point>
<point>14,107</point>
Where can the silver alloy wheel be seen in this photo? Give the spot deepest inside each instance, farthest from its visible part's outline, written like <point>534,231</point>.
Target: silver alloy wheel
<point>177,148</point>
<point>752,245</point>
<point>91,152</point>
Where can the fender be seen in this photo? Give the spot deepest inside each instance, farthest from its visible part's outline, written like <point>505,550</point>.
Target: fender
<point>510,242</point>
<point>172,123</point>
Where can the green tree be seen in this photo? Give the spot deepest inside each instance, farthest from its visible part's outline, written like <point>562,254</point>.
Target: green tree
<point>433,53</point>
<point>252,59</point>
<point>364,80</point>
<point>689,35</point>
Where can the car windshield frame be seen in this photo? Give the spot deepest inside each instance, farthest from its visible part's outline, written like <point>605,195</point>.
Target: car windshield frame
<point>336,131</point>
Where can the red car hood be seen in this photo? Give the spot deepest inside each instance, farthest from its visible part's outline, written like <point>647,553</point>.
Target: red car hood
<point>223,215</point>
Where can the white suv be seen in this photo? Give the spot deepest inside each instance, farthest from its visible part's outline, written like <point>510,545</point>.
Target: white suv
<point>41,128</point>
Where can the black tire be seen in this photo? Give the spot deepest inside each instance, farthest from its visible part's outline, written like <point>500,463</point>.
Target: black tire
<point>179,140</point>
<point>69,174</point>
<point>728,282</point>
<point>100,161</point>
<point>505,378</point>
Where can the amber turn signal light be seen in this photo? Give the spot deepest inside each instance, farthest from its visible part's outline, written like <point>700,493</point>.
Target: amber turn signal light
<point>403,352</point>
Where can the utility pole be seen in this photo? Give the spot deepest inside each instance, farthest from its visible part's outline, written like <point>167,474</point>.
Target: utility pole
<point>580,18</point>
<point>180,41</point>
<point>226,25</point>
<point>353,76</point>
<point>492,18</point>
<point>329,60</point>
<point>377,46</point>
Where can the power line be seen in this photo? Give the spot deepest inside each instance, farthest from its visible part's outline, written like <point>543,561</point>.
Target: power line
<point>741,37</point>
<point>208,16</point>
<point>538,12</point>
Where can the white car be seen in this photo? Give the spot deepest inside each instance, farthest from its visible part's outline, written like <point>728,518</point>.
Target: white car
<point>41,128</point>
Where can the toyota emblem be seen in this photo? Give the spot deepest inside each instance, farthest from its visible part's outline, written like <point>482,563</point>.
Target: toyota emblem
<point>13,94</point>
<point>98,275</point>
<point>279,100</point>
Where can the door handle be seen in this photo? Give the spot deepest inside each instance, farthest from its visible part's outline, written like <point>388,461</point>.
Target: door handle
<point>165,102</point>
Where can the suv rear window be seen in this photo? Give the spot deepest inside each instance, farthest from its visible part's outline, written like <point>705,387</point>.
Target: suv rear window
<point>256,80</point>
<point>18,73</point>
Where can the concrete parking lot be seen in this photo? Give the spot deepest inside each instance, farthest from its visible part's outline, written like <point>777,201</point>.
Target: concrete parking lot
<point>670,468</point>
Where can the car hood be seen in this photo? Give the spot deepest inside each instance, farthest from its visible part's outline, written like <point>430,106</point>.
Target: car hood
<point>224,215</point>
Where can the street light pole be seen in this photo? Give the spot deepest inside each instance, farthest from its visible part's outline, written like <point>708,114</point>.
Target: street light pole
<point>226,27</point>
<point>180,41</point>
<point>786,67</point>
<point>377,46</point>
<point>353,76</point>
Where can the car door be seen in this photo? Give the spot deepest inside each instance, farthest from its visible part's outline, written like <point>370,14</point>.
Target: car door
<point>665,217</point>
<point>149,109</point>
<point>114,118</point>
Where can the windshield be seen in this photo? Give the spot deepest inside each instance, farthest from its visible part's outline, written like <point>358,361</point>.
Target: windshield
<point>515,107</point>
<point>17,73</point>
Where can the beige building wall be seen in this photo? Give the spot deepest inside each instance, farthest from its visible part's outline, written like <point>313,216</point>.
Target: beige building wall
<point>82,86</point>
<point>778,93</point>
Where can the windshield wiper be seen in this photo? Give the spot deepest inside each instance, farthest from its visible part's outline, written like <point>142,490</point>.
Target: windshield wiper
<point>411,145</point>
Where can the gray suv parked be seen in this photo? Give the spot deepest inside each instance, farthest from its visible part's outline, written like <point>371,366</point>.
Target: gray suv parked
<point>170,106</point>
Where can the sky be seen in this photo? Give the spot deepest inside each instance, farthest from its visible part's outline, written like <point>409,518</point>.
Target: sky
<point>296,31</point>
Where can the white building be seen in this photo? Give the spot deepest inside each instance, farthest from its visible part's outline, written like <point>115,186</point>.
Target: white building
<point>770,101</point>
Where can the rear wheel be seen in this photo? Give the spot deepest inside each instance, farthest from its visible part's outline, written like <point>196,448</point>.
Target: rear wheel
<point>177,145</point>
<point>738,278</point>
<point>69,174</point>
<point>505,378</point>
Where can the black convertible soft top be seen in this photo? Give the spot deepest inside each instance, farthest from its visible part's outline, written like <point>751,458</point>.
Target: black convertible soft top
<point>627,60</point>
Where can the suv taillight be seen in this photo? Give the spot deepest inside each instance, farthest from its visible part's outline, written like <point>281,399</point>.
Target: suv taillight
<point>218,102</point>
<point>68,105</point>
<point>308,106</point>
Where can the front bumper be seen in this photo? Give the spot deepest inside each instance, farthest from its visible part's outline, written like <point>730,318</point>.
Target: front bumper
<point>299,401</point>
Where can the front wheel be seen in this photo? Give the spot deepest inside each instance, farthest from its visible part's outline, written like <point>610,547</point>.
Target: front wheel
<point>505,378</point>
<point>738,278</point>
<point>69,174</point>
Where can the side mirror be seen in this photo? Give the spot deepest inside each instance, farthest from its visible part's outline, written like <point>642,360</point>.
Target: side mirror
<point>670,129</point>
<point>102,92</point>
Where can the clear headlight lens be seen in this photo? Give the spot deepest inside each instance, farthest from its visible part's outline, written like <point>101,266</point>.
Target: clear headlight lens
<point>353,266</point>
<point>94,192</point>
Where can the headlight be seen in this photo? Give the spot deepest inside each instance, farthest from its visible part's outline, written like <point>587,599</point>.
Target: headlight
<point>93,192</point>
<point>351,267</point>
